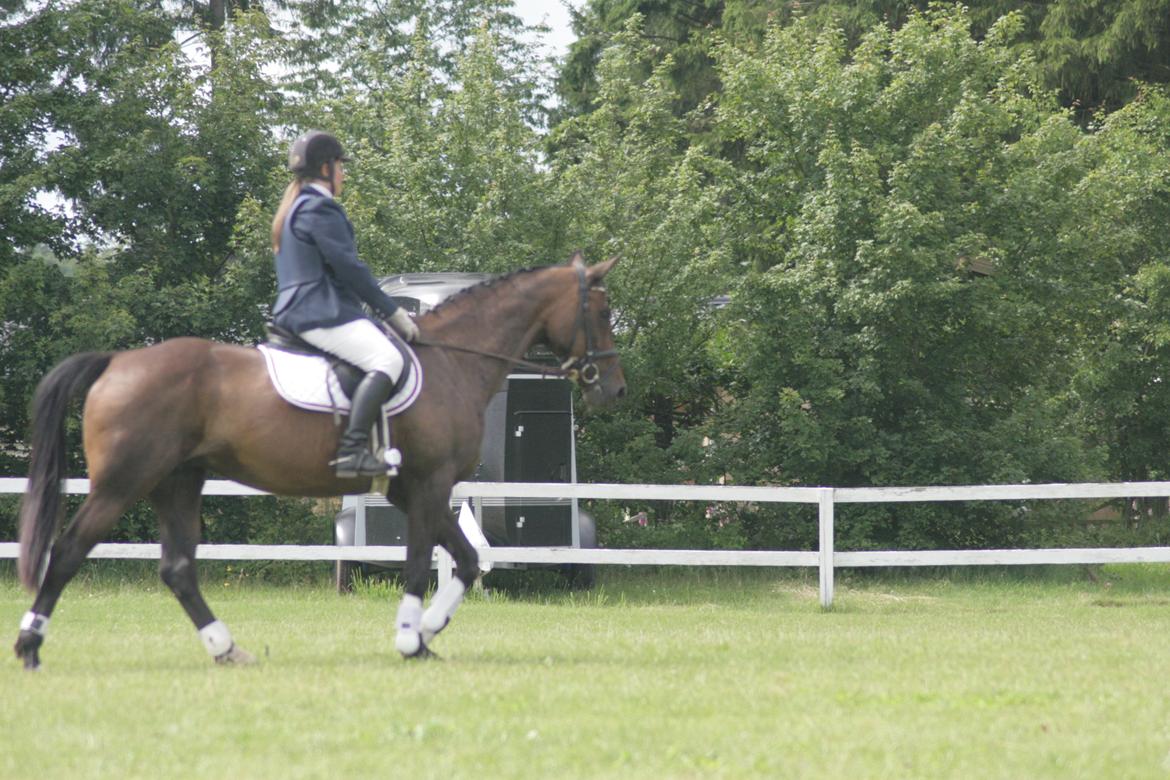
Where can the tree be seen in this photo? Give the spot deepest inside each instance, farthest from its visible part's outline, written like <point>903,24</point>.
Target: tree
<point>631,184</point>
<point>354,47</point>
<point>674,28</point>
<point>869,345</point>
<point>446,173</point>
<point>130,159</point>
<point>1091,52</point>
<point>1122,206</point>
<point>1095,52</point>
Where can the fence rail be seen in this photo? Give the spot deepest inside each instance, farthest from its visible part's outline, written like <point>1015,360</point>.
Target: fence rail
<point>826,558</point>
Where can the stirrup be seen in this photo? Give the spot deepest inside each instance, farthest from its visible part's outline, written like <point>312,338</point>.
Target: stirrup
<point>360,463</point>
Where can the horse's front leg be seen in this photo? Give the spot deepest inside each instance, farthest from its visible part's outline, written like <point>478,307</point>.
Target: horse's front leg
<point>425,507</point>
<point>430,521</point>
<point>417,573</point>
<point>450,596</point>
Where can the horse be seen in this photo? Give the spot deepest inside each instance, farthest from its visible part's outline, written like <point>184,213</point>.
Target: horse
<point>156,421</point>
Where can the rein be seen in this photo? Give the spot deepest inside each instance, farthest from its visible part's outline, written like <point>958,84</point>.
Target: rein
<point>542,369</point>
<point>582,369</point>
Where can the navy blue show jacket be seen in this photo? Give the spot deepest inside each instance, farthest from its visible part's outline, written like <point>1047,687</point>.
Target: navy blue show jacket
<point>321,281</point>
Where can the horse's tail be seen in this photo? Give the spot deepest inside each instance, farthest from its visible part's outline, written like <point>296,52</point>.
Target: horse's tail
<point>40,510</point>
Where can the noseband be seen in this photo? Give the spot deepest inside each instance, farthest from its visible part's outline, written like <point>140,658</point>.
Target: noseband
<point>583,369</point>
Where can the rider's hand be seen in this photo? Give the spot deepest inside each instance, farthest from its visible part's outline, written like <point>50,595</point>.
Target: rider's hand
<point>404,324</point>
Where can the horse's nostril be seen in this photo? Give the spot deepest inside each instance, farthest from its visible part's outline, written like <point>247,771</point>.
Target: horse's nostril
<point>621,392</point>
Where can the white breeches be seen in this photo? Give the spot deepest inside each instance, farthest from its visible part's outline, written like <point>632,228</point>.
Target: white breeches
<point>359,342</point>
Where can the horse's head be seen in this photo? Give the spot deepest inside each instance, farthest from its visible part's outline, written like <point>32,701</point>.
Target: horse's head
<point>578,329</point>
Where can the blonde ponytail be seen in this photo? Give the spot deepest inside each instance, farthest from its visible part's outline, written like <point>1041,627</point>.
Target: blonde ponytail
<point>290,194</point>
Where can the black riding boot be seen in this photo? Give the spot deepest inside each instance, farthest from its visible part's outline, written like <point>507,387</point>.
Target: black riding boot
<point>353,454</point>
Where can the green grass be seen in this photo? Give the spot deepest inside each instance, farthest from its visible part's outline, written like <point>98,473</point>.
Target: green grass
<point>654,674</point>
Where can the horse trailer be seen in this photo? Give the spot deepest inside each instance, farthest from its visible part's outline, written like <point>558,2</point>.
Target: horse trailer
<point>528,437</point>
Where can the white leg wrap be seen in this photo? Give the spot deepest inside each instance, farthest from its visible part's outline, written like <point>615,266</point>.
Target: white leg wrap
<point>442,608</point>
<point>216,638</point>
<point>38,624</point>
<point>407,641</point>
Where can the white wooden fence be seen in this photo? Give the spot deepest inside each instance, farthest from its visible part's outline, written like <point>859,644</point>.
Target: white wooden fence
<point>826,559</point>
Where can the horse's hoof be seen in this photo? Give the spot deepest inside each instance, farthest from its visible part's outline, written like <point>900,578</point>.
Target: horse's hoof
<point>235,656</point>
<point>423,653</point>
<point>28,649</point>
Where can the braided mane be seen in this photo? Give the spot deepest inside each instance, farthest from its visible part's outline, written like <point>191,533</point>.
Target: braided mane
<point>486,284</point>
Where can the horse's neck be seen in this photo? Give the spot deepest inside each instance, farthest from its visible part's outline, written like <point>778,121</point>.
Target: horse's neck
<point>503,320</point>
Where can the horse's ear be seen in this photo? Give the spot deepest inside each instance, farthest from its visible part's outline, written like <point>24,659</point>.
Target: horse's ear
<point>578,259</point>
<point>597,273</point>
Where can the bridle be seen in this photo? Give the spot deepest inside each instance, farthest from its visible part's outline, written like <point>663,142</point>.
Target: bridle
<point>582,370</point>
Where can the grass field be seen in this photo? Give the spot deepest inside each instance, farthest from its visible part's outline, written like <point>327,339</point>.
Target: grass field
<point>654,674</point>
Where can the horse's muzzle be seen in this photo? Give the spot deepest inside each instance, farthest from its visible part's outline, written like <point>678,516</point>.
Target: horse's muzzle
<point>604,393</point>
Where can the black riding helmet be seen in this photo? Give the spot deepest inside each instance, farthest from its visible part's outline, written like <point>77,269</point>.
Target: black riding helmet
<point>312,150</point>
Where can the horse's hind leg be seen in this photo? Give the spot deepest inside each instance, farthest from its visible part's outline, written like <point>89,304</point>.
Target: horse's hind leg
<point>177,501</point>
<point>97,515</point>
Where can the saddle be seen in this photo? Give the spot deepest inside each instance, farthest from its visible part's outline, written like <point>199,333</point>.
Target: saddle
<point>312,379</point>
<point>348,375</point>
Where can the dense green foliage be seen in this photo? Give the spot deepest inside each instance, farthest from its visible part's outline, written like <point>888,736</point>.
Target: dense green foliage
<point>863,244</point>
<point>1092,53</point>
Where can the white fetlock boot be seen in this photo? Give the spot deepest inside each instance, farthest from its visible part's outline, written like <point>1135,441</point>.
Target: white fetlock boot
<point>217,640</point>
<point>408,640</point>
<point>442,609</point>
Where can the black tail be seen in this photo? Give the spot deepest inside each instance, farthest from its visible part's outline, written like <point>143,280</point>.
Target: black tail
<point>40,511</point>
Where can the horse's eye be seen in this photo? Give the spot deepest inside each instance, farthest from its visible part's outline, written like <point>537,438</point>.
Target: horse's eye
<point>605,315</point>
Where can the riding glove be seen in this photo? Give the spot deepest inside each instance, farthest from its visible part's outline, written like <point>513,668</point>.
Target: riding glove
<point>402,322</point>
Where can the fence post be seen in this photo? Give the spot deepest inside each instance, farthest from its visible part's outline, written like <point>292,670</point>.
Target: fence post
<point>825,526</point>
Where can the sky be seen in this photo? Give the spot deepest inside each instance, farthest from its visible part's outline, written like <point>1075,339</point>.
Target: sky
<point>554,14</point>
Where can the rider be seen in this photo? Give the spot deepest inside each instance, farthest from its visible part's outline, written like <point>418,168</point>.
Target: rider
<point>322,285</point>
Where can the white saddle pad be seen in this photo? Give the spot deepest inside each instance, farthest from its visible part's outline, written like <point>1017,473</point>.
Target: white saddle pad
<point>308,382</point>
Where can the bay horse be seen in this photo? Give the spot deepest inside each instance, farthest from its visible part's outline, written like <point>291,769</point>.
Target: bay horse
<point>158,420</point>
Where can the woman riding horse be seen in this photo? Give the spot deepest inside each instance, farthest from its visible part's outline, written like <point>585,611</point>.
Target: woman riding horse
<point>158,420</point>
<point>322,285</point>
